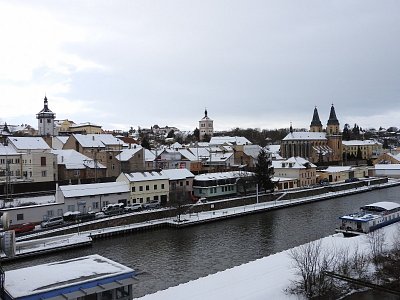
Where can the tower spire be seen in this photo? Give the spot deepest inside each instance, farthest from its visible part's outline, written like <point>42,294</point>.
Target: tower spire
<point>332,117</point>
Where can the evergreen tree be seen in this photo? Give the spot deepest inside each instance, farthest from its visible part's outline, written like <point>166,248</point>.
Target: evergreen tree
<point>145,143</point>
<point>346,132</point>
<point>196,134</point>
<point>264,171</point>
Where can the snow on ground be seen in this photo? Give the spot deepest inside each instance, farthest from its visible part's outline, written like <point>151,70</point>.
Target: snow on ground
<point>265,278</point>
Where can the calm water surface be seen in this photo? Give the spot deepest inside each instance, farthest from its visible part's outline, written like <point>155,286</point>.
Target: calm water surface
<point>168,257</point>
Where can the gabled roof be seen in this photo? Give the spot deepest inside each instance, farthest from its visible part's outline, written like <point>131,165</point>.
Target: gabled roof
<point>187,154</point>
<point>7,150</point>
<point>305,135</point>
<point>97,140</point>
<point>229,140</point>
<point>81,190</point>
<point>252,150</point>
<point>127,154</point>
<point>177,174</point>
<point>29,143</point>
<point>72,160</point>
<point>149,155</point>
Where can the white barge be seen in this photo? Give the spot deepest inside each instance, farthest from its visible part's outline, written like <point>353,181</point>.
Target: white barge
<point>369,218</point>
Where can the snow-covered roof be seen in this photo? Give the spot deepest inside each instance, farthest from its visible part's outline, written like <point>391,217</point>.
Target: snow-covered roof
<point>7,150</point>
<point>200,152</point>
<point>219,157</point>
<point>385,205</point>
<point>84,125</point>
<point>252,150</point>
<point>58,275</point>
<point>149,155</point>
<point>230,140</point>
<point>360,143</point>
<point>81,190</point>
<point>63,138</point>
<point>75,160</point>
<point>387,167</point>
<point>273,148</point>
<point>300,160</point>
<point>29,143</point>
<point>293,163</point>
<point>127,154</point>
<point>97,140</point>
<point>337,169</point>
<point>177,174</point>
<point>145,176</point>
<point>305,135</point>
<point>222,175</point>
<point>187,154</point>
<point>176,145</point>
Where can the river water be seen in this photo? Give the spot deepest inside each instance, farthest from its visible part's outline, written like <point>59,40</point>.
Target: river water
<point>167,257</point>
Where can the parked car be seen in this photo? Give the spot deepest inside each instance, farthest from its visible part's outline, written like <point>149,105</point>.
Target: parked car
<point>133,207</point>
<point>99,215</point>
<point>55,221</point>
<point>113,209</point>
<point>26,227</point>
<point>153,204</point>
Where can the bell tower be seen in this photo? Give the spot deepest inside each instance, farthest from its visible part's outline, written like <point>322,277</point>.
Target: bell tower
<point>206,127</point>
<point>334,136</point>
<point>316,125</point>
<point>46,120</point>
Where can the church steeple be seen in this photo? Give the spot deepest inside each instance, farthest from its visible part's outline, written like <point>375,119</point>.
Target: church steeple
<point>333,123</point>
<point>332,117</point>
<point>316,125</point>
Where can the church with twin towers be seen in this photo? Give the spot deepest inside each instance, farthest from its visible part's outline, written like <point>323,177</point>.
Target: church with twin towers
<point>318,145</point>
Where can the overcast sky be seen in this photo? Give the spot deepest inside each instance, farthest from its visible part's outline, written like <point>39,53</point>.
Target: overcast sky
<point>259,64</point>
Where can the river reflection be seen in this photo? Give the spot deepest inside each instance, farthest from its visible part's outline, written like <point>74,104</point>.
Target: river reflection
<point>168,257</point>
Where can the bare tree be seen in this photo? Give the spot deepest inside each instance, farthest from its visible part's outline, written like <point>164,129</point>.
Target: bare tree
<point>311,262</point>
<point>376,241</point>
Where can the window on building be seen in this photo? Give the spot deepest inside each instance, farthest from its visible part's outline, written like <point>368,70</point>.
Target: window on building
<point>147,187</point>
<point>43,161</point>
<point>181,183</point>
<point>148,199</point>
<point>141,188</point>
<point>71,207</point>
<point>133,189</point>
<point>59,212</point>
<point>187,182</point>
<point>162,186</point>
<point>20,217</point>
<point>155,198</point>
<point>44,173</point>
<point>155,186</point>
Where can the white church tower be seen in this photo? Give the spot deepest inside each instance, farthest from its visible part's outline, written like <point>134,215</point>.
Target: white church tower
<point>206,127</point>
<point>46,120</point>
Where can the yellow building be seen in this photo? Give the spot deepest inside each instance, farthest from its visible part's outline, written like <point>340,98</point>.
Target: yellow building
<point>370,149</point>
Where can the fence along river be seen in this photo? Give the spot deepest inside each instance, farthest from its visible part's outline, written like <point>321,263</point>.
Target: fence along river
<point>167,257</point>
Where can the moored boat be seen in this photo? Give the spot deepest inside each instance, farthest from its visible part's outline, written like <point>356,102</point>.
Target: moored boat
<point>369,218</point>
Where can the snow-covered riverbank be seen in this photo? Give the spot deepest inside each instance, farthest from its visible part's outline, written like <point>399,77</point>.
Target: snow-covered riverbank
<point>265,278</point>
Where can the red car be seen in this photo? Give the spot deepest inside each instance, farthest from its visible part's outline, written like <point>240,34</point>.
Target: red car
<point>27,227</point>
